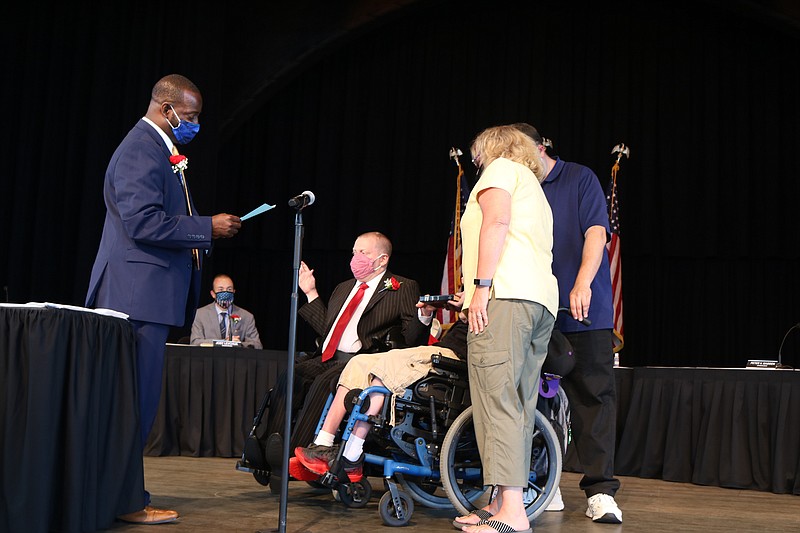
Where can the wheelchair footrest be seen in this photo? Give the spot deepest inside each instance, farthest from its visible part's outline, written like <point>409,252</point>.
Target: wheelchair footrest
<point>329,480</point>
<point>244,466</point>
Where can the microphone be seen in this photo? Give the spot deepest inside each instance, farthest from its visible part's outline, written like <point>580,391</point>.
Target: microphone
<point>302,200</point>
<point>780,349</point>
<point>586,322</point>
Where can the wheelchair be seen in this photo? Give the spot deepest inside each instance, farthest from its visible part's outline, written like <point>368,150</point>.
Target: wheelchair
<point>430,452</point>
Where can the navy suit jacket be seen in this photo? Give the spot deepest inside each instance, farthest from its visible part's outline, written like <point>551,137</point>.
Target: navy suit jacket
<point>385,310</point>
<point>144,263</point>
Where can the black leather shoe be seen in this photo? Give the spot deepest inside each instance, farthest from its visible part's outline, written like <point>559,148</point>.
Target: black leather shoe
<point>253,455</point>
<point>253,461</point>
<point>274,456</point>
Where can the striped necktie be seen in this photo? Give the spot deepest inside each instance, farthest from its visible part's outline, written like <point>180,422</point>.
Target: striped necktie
<point>223,325</point>
<point>195,251</point>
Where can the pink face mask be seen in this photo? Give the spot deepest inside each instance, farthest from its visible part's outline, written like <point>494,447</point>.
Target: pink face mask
<point>361,265</point>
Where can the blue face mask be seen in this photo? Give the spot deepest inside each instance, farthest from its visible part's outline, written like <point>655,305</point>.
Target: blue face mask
<point>185,131</point>
<point>224,299</point>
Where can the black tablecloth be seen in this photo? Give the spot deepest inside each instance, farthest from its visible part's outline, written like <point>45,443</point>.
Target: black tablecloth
<point>724,427</point>
<point>70,451</point>
<point>209,397</point>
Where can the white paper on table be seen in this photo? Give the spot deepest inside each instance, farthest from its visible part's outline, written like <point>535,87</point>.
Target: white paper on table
<point>98,311</point>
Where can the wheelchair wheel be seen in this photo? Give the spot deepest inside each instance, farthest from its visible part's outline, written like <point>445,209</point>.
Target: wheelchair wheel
<point>388,510</point>
<point>355,495</point>
<point>460,464</point>
<point>545,470</point>
<point>461,467</point>
<point>430,495</point>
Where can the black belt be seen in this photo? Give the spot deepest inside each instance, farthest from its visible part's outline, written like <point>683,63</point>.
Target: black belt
<point>344,357</point>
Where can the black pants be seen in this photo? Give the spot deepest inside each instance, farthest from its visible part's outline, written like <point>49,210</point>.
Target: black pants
<point>591,390</point>
<point>313,382</point>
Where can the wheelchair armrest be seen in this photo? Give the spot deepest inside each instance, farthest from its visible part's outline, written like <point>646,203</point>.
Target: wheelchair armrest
<point>449,364</point>
<point>392,340</point>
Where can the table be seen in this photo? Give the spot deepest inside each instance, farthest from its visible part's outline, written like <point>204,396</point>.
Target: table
<point>209,398</point>
<point>725,427</point>
<point>70,450</point>
<point>735,428</point>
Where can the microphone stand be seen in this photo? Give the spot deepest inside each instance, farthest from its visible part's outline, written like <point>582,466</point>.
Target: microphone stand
<point>780,364</point>
<point>287,428</point>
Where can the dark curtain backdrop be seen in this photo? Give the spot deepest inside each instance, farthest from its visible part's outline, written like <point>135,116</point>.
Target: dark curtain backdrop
<point>361,103</point>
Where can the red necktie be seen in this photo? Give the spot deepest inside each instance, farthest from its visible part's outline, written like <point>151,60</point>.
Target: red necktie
<point>341,324</point>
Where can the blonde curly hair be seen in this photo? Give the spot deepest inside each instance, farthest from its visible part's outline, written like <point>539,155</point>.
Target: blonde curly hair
<point>510,143</point>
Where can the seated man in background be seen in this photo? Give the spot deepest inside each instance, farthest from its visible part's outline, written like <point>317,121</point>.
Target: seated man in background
<point>395,370</point>
<point>220,320</point>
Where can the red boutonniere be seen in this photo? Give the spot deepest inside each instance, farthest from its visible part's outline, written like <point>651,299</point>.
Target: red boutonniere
<point>179,162</point>
<point>391,284</point>
<point>236,319</point>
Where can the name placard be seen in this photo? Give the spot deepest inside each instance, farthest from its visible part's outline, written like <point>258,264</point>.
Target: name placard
<point>761,363</point>
<point>227,343</point>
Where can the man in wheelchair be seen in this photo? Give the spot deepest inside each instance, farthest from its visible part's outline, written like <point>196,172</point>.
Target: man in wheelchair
<point>395,370</point>
<point>362,315</point>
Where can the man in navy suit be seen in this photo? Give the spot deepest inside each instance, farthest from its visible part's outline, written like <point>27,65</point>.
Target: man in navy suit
<point>148,261</point>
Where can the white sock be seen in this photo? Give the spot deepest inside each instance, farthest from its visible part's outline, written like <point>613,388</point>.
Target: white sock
<point>353,448</point>
<point>324,439</point>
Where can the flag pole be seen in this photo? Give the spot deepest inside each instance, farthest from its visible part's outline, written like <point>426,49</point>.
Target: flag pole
<point>454,153</point>
<point>620,150</point>
<point>451,274</point>
<point>614,253</point>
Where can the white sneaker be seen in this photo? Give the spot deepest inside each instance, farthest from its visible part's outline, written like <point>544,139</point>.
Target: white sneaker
<point>603,508</point>
<point>557,503</point>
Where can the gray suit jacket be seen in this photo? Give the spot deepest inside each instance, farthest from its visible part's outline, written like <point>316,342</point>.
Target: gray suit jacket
<point>205,327</point>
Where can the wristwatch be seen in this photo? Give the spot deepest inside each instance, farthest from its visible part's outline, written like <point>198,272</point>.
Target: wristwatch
<point>482,282</point>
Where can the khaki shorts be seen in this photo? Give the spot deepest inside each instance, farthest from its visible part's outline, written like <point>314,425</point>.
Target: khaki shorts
<point>397,369</point>
<point>504,365</point>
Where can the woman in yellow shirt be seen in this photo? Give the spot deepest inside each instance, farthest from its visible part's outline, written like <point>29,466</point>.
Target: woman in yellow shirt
<point>512,299</point>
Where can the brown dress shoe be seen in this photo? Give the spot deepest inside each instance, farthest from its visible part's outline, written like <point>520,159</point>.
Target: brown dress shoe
<point>150,515</point>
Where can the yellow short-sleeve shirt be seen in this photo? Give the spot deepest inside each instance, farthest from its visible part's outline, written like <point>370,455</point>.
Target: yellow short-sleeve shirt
<point>524,270</point>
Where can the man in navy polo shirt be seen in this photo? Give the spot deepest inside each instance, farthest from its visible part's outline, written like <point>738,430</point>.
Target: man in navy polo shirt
<point>580,263</point>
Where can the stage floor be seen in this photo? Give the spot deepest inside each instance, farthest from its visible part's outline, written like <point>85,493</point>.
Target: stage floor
<point>213,497</point>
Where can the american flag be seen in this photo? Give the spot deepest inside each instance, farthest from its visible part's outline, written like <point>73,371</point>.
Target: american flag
<point>451,276</point>
<point>613,247</point>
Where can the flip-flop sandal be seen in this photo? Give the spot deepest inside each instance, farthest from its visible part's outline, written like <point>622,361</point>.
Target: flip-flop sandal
<point>502,527</point>
<point>483,514</point>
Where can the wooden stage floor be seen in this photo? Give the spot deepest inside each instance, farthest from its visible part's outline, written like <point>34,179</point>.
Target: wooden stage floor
<point>214,497</point>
